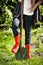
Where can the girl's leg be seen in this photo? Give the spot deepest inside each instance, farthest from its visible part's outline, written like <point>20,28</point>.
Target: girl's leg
<point>28,23</point>
<point>15,25</point>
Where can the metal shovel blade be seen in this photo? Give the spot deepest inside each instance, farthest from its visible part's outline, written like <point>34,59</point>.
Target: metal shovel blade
<point>21,54</point>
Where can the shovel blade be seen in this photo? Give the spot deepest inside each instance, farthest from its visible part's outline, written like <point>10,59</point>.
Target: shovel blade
<point>21,54</point>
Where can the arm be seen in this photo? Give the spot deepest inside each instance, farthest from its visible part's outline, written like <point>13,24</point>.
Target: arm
<point>35,5</point>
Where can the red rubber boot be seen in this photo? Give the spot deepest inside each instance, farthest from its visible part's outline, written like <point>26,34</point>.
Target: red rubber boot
<point>28,48</point>
<point>17,45</point>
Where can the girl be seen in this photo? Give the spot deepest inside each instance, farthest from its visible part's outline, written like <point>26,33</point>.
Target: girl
<point>28,18</point>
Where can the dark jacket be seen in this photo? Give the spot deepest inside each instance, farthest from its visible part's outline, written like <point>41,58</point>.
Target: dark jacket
<point>17,9</point>
<point>37,15</point>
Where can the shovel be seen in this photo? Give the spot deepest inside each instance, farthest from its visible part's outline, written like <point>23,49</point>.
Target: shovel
<point>22,52</point>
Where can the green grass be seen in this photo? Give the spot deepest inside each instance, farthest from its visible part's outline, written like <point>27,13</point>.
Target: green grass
<point>7,42</point>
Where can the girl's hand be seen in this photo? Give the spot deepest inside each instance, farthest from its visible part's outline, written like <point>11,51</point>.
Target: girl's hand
<point>32,9</point>
<point>20,1</point>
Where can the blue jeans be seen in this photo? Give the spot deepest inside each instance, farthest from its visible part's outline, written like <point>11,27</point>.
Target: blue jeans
<point>28,22</point>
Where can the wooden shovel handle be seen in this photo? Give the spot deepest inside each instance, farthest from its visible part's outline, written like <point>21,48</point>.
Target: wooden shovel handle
<point>21,20</point>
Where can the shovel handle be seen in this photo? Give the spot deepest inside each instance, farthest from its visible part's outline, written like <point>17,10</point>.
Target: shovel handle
<point>21,27</point>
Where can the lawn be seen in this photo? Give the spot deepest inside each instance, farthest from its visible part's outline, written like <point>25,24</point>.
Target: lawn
<point>7,42</point>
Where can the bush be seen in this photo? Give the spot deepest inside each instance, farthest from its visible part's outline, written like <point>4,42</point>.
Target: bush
<point>6,16</point>
<point>41,9</point>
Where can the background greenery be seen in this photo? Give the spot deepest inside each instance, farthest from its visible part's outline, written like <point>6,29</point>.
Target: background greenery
<point>6,9</point>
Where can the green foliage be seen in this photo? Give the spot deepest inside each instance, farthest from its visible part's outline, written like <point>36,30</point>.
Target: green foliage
<point>6,6</point>
<point>41,9</point>
<point>36,34</point>
<point>7,42</point>
<point>6,16</point>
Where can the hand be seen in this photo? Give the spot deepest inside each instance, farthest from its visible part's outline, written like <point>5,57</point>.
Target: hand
<point>20,1</point>
<point>32,8</point>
